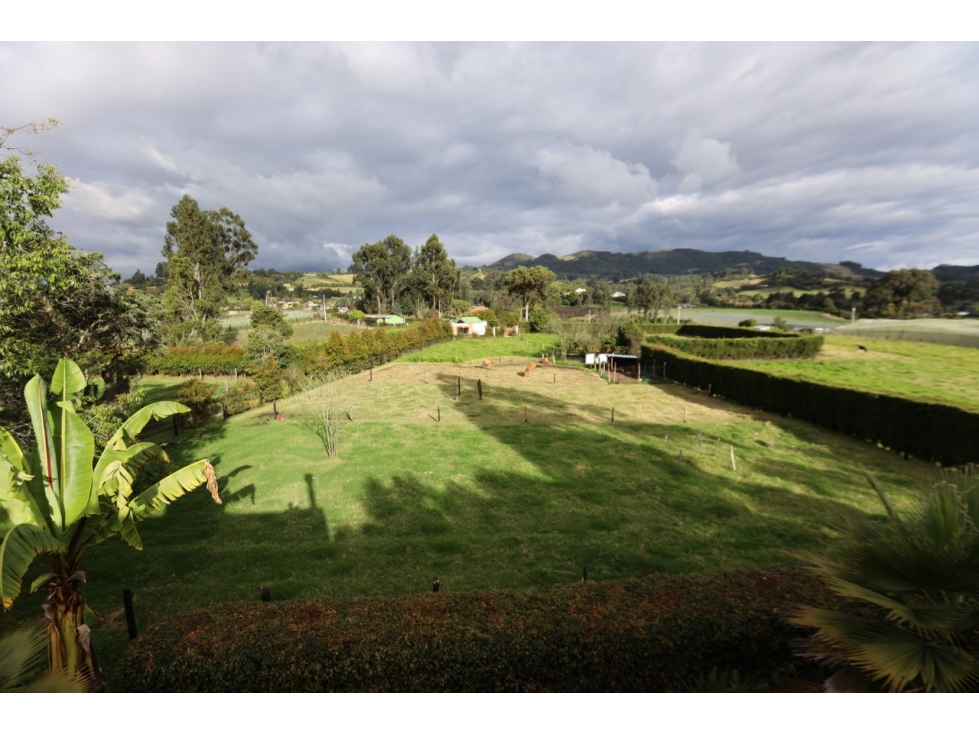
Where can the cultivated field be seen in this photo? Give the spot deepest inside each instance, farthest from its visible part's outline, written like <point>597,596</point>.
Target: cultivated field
<point>956,333</point>
<point>929,372</point>
<point>520,489</point>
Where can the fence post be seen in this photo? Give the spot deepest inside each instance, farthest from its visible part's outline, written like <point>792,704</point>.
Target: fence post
<point>176,431</point>
<point>436,584</point>
<point>266,594</point>
<point>127,602</point>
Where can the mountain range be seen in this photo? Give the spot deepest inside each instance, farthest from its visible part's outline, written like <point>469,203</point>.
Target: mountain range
<point>622,265</point>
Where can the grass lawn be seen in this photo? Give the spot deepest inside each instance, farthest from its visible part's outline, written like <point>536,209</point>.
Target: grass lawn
<point>951,332</point>
<point>318,331</point>
<point>529,346</point>
<point>520,489</point>
<point>930,372</point>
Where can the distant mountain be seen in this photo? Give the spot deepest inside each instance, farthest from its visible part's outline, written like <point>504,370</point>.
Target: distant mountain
<point>620,265</point>
<point>956,272</point>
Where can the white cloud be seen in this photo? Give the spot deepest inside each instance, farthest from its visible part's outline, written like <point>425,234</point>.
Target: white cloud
<point>99,200</point>
<point>704,160</point>
<point>594,176</point>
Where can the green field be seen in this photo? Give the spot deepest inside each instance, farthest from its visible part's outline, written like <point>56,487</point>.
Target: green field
<point>956,333</point>
<point>520,489</point>
<point>929,372</point>
<point>731,316</point>
<point>530,346</point>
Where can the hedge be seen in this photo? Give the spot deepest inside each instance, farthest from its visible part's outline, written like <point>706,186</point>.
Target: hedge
<point>732,332</point>
<point>929,431</point>
<point>651,634</point>
<point>211,359</point>
<point>357,352</point>
<point>788,347</point>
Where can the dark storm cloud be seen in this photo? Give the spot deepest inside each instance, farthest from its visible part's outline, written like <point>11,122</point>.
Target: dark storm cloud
<point>811,151</point>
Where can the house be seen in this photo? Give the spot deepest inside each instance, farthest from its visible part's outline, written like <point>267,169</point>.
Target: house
<point>471,325</point>
<point>618,294</point>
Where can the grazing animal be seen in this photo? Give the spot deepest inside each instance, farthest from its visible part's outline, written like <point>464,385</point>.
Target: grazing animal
<point>545,362</point>
<point>861,349</point>
<point>528,369</point>
<point>487,364</point>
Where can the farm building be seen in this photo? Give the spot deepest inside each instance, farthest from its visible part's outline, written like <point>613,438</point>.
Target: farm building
<point>381,319</point>
<point>472,325</point>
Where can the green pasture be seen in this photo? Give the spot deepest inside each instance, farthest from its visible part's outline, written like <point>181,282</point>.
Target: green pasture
<point>731,316</point>
<point>529,346</point>
<point>520,489</point>
<point>951,332</point>
<point>929,372</point>
<point>316,331</point>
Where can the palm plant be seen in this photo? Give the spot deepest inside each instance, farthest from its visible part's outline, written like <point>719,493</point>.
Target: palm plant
<point>915,621</point>
<point>58,504</point>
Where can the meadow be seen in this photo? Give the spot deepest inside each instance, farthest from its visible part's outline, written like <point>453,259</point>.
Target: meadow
<point>521,489</point>
<point>927,372</point>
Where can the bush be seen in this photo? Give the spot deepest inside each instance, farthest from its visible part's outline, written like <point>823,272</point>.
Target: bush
<point>747,323</point>
<point>241,396</point>
<point>653,634</point>
<point>927,430</point>
<point>210,359</point>
<point>199,397</point>
<point>539,320</point>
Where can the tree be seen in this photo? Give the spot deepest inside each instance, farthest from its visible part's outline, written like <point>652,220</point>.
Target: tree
<point>530,284</point>
<point>266,317</point>
<point>381,270</point>
<point>437,275</point>
<point>916,586</point>
<point>57,504</point>
<point>54,300</point>
<point>206,251</point>
<point>903,294</point>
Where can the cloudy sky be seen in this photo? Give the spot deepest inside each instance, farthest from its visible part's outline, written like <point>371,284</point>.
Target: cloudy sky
<point>808,151</point>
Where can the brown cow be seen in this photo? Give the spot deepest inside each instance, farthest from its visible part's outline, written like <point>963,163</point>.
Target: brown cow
<point>545,362</point>
<point>487,364</point>
<point>528,369</point>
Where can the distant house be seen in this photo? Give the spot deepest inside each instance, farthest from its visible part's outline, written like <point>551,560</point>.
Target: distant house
<point>472,325</point>
<point>343,309</point>
<point>618,294</point>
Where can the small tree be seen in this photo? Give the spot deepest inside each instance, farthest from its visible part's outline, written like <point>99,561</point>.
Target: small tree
<point>268,378</point>
<point>58,505</point>
<point>326,409</point>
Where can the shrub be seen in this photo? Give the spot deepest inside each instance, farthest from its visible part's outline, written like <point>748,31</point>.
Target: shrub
<point>199,397</point>
<point>211,359</point>
<point>652,634</point>
<point>747,323</point>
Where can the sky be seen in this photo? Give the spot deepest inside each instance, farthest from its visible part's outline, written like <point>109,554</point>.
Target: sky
<point>812,151</point>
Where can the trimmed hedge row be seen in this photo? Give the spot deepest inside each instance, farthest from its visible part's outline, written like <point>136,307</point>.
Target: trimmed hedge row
<point>790,347</point>
<point>358,351</point>
<point>929,431</point>
<point>211,359</point>
<point>732,332</point>
<point>651,634</point>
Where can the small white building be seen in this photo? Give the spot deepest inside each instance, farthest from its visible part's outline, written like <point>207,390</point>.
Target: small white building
<point>472,325</point>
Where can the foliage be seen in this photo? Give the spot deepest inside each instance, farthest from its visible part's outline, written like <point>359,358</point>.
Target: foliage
<point>917,588</point>
<point>210,359</point>
<point>381,270</point>
<point>326,409</point>
<point>902,294</point>
<point>263,342</point>
<point>747,323</point>
<point>53,299</point>
<point>780,324</point>
<point>929,431</point>
<point>641,635</point>
<point>436,277</point>
<point>105,418</point>
<point>205,252</point>
<point>82,506</point>
<point>198,396</point>
<point>651,295</point>
<point>530,284</point>
<point>23,664</point>
<point>266,317</point>
<point>267,375</point>
<point>721,681</point>
<point>540,319</point>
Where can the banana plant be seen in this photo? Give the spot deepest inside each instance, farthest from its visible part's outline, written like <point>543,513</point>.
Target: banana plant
<point>60,500</point>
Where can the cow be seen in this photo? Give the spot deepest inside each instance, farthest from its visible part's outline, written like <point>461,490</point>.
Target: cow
<point>861,349</point>
<point>528,369</point>
<point>545,362</point>
<point>487,364</point>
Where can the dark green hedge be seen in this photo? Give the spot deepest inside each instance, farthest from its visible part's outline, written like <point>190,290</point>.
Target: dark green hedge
<point>651,634</point>
<point>788,347</point>
<point>929,431</point>
<point>732,332</point>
